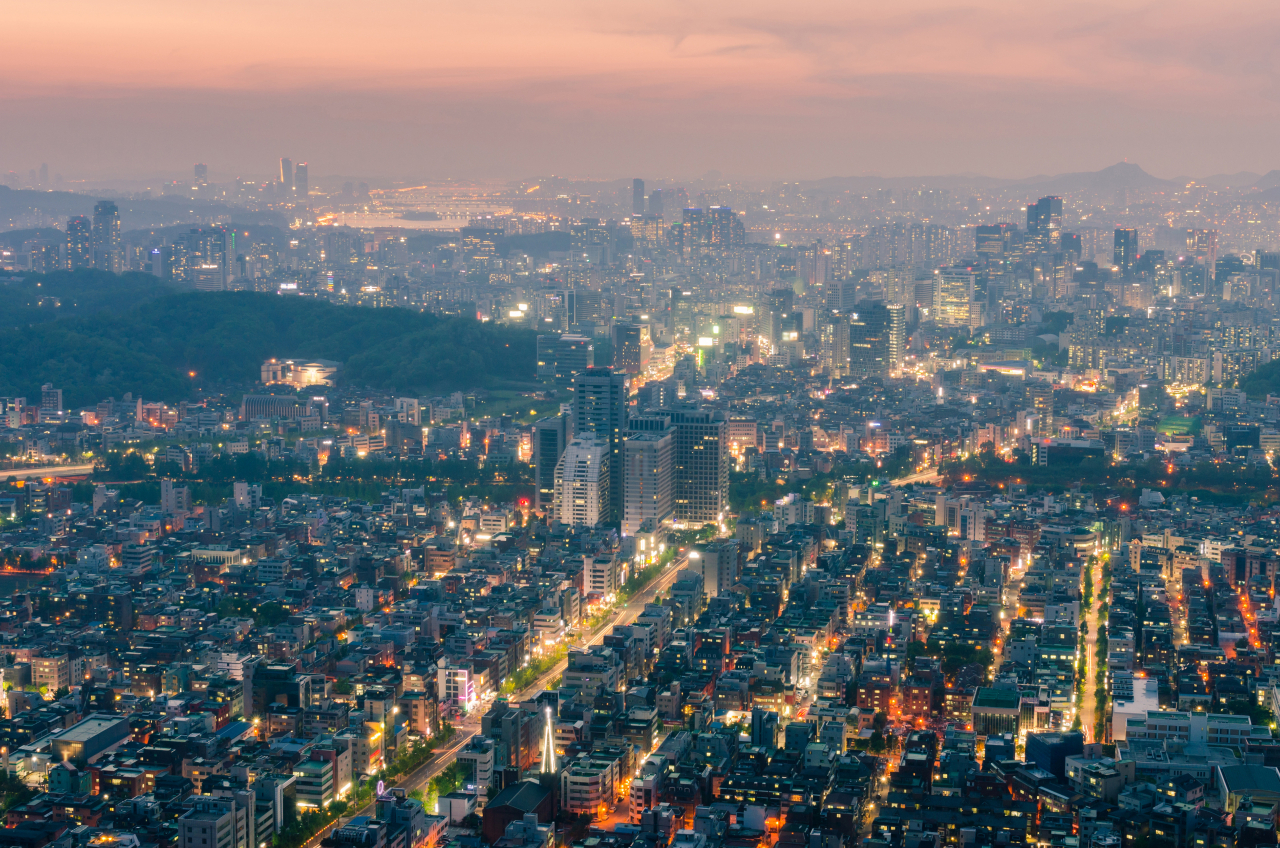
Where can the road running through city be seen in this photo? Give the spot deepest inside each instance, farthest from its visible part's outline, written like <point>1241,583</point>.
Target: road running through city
<point>421,777</point>
<point>1089,700</point>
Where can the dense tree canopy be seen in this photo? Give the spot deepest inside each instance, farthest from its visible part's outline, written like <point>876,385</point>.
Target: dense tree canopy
<point>133,334</point>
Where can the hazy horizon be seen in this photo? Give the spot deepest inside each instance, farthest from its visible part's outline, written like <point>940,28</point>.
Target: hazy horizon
<point>393,90</point>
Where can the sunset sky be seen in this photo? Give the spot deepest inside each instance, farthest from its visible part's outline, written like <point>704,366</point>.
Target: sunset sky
<point>391,88</point>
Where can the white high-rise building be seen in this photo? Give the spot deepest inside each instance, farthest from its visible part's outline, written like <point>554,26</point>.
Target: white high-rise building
<point>246,495</point>
<point>602,575</point>
<point>582,481</point>
<point>718,565</point>
<point>648,461</point>
<point>174,500</point>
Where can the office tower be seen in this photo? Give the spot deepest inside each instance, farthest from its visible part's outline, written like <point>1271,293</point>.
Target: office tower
<point>582,482</point>
<point>286,174</point>
<point>777,306</point>
<point>1044,223</point>
<point>50,400</point>
<point>658,394</point>
<point>600,407</point>
<point>627,347</point>
<point>300,184</point>
<point>1040,395</point>
<point>702,466</point>
<point>79,243</point>
<point>995,240</point>
<point>546,368</point>
<point>589,242</point>
<point>574,355</point>
<point>550,436</point>
<point>566,309</point>
<point>637,197</point>
<point>655,203</point>
<point>590,305</point>
<point>1125,252</point>
<point>201,173</point>
<point>897,335</point>
<point>44,174</point>
<point>717,563</point>
<point>953,290</point>
<point>694,229</point>
<point>107,254</point>
<point>841,295</point>
<point>646,230</point>
<point>835,345</point>
<point>1072,247</point>
<point>869,341</point>
<point>679,311</point>
<point>813,265</point>
<point>726,228</point>
<point>648,465</point>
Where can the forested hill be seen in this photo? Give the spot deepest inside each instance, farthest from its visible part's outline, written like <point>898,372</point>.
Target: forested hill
<point>133,334</point>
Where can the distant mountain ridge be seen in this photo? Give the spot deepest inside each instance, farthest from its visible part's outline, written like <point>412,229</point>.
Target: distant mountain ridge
<point>1122,175</point>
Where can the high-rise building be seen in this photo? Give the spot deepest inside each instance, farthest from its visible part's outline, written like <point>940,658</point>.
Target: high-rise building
<point>79,243</point>
<point>50,400</point>
<point>1040,396</point>
<point>637,197</point>
<point>646,230</point>
<point>107,252</point>
<point>546,367</point>
<point>600,407</point>
<point>300,184</point>
<point>996,240</point>
<point>694,230</point>
<point>680,311</point>
<point>841,294</point>
<point>628,347</point>
<point>655,203</point>
<point>590,243</point>
<point>869,341</point>
<point>953,290</point>
<point>574,355</point>
<point>1125,252</point>
<point>726,228</point>
<point>550,436</point>
<point>581,496</point>
<point>897,335</point>
<point>648,463</point>
<point>1044,223</point>
<point>566,308</point>
<point>778,305</point>
<point>834,340</point>
<point>44,173</point>
<point>286,174</point>
<point>702,466</point>
<point>718,563</point>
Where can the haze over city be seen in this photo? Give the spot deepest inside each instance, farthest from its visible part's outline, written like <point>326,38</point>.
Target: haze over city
<point>401,89</point>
